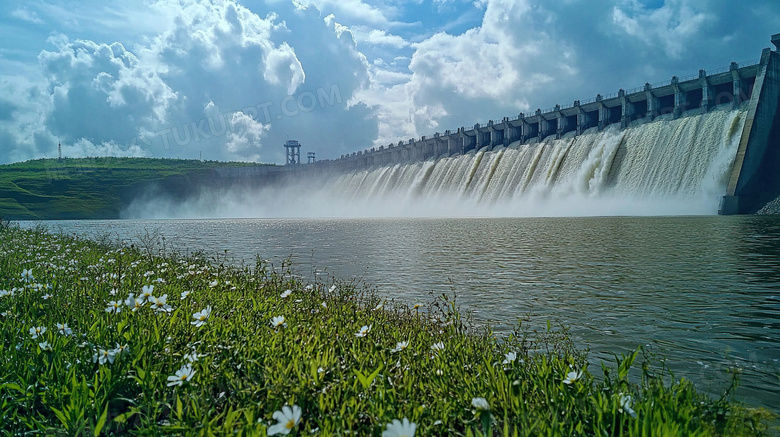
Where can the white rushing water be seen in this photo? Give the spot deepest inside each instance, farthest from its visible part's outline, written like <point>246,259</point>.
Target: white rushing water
<point>667,167</point>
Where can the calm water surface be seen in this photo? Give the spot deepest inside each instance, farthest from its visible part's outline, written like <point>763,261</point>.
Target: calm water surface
<point>702,291</point>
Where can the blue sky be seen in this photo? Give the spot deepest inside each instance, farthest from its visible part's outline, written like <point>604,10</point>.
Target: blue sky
<point>232,80</point>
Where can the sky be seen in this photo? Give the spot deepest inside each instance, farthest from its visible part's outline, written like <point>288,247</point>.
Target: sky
<point>232,80</point>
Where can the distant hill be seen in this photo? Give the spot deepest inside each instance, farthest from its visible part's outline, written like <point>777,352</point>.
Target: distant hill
<point>82,188</point>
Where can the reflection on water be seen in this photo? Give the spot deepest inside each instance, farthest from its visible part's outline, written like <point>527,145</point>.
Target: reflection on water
<point>703,291</point>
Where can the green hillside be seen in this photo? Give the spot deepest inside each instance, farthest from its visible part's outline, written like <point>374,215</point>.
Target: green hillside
<point>80,188</point>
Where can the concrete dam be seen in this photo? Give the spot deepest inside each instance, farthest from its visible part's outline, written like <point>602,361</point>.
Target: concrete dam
<point>709,140</point>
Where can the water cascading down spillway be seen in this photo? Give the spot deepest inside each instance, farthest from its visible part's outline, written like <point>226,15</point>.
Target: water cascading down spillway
<point>668,166</point>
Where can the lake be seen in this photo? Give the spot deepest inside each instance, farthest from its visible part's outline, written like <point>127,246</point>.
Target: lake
<point>703,291</point>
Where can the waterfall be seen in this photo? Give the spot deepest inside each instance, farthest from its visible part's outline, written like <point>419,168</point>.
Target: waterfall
<point>668,166</point>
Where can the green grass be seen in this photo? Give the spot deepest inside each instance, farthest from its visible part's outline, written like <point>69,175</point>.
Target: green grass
<point>12,208</point>
<point>246,369</point>
<point>88,187</point>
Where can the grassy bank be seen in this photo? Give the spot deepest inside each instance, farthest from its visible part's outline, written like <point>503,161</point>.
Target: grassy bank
<point>88,187</point>
<point>108,340</point>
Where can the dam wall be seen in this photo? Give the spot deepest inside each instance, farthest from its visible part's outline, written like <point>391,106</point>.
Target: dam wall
<point>754,85</point>
<point>732,85</point>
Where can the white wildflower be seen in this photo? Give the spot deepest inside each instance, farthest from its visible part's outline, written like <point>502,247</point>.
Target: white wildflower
<point>146,293</point>
<point>63,329</point>
<point>104,355</point>
<point>115,306</point>
<point>400,429</point>
<point>27,275</point>
<point>37,331</point>
<point>278,321</point>
<point>287,419</point>
<point>625,405</point>
<point>572,376</point>
<point>480,404</point>
<point>510,358</point>
<point>363,331</point>
<point>134,303</point>
<point>160,304</point>
<point>182,375</point>
<point>201,317</point>
<point>401,345</point>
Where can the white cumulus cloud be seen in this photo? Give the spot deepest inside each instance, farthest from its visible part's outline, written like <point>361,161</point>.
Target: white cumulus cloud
<point>244,137</point>
<point>287,72</point>
<point>671,26</point>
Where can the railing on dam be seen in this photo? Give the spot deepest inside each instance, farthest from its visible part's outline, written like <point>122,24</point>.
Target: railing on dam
<point>690,94</point>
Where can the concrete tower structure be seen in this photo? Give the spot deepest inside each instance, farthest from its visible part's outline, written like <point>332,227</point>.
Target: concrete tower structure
<point>293,151</point>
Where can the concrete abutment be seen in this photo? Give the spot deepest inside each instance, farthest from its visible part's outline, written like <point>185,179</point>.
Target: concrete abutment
<point>754,178</point>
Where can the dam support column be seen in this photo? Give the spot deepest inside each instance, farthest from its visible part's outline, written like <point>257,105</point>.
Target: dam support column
<point>456,142</point>
<point>493,132</point>
<point>626,110</point>
<point>603,113</point>
<point>679,98</point>
<point>405,153</point>
<point>560,122</point>
<point>543,125</point>
<point>430,148</point>
<point>510,132</point>
<point>706,92</point>
<point>652,102</point>
<point>438,145</point>
<point>524,127</point>
<point>740,91</point>
<point>423,145</point>
<point>582,118</point>
<point>452,140</point>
